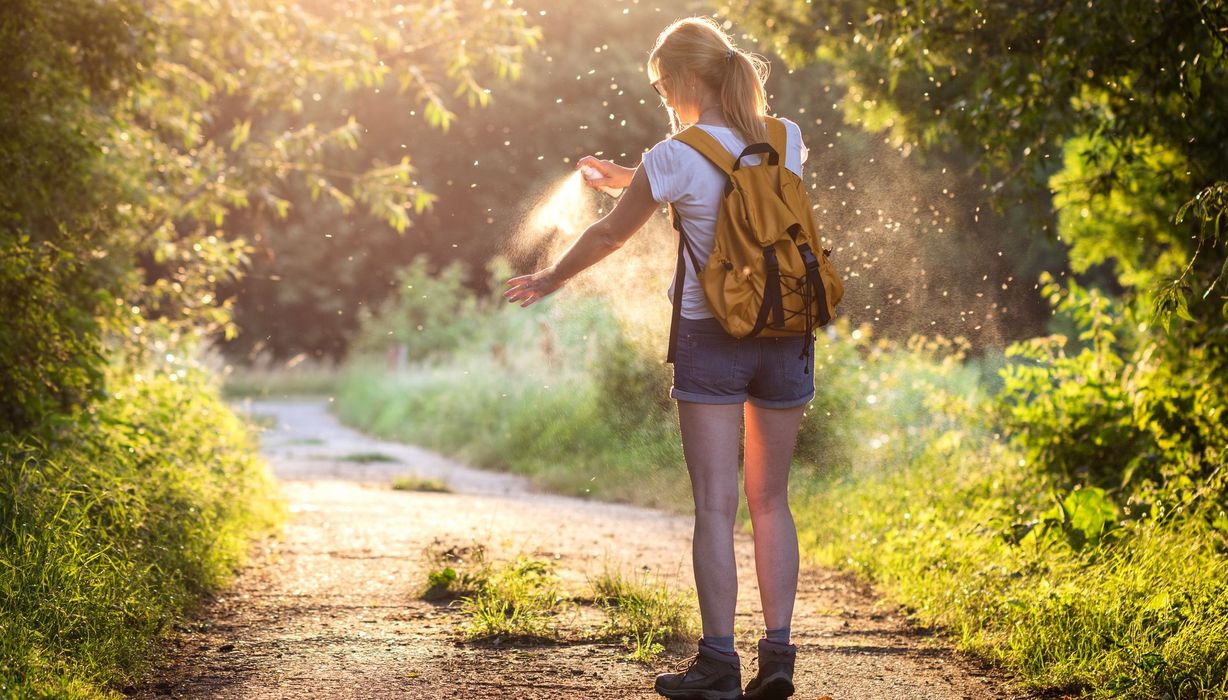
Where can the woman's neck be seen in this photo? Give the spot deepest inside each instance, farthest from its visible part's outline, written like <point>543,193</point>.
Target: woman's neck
<point>712,114</point>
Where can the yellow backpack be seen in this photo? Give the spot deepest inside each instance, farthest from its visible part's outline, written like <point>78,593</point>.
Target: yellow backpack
<point>768,275</point>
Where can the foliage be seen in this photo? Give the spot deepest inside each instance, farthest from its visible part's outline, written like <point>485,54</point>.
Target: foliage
<point>1025,81</point>
<point>60,64</point>
<point>324,268</point>
<point>1073,591</point>
<point>430,315</point>
<point>113,529</point>
<point>50,349</point>
<point>133,130</point>
<point>1210,210</point>
<point>1128,144</point>
<point>1110,408</point>
<point>896,221</point>
<point>129,133</point>
<point>456,571</point>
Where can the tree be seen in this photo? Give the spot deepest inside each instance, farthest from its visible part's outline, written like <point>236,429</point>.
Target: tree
<point>132,130</point>
<point>1117,113</point>
<point>1118,110</point>
<point>62,65</point>
<point>313,273</point>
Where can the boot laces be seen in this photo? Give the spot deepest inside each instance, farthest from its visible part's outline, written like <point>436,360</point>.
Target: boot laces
<point>684,666</point>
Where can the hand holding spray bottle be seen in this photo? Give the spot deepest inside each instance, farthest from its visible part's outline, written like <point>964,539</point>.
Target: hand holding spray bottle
<point>590,173</point>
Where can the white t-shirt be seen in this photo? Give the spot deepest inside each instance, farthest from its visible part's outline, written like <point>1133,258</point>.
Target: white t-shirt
<point>678,174</point>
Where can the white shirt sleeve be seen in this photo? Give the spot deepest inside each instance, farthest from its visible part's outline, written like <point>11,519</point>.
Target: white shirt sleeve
<point>797,151</point>
<point>667,173</point>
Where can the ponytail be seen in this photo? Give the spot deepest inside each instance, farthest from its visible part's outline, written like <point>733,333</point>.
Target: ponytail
<point>742,95</point>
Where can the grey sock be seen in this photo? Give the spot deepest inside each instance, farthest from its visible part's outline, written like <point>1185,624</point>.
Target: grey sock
<point>721,644</point>
<point>777,635</point>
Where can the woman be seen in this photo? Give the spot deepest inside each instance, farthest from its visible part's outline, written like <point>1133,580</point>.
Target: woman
<point>719,381</point>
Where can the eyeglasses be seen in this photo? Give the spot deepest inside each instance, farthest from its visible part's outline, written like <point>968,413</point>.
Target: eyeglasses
<point>656,85</point>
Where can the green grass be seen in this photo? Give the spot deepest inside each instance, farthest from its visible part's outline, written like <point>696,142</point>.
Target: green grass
<point>415,482</point>
<point>114,526</point>
<point>521,600</point>
<point>644,614</point>
<point>553,420</point>
<point>367,457</point>
<point>517,600</point>
<point>280,381</point>
<point>1142,615</point>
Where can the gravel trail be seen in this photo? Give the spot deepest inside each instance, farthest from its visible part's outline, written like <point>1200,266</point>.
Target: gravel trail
<point>331,609</point>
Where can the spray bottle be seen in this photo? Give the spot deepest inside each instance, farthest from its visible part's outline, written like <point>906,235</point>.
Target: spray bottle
<point>591,173</point>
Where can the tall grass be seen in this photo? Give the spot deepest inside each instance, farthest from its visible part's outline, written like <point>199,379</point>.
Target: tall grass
<point>950,519</point>
<point>113,526</point>
<point>1142,615</point>
<point>558,394</point>
<point>901,474</point>
<point>293,378</point>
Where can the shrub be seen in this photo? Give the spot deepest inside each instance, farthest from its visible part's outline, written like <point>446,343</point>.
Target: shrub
<point>431,314</point>
<point>113,526</point>
<point>1113,407</point>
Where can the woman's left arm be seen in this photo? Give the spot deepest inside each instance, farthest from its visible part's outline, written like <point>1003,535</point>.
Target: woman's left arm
<point>600,239</point>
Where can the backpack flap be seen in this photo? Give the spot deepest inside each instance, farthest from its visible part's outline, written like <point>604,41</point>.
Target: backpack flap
<point>755,263</point>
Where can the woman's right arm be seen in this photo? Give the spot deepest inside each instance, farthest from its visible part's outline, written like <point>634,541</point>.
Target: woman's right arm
<point>600,239</point>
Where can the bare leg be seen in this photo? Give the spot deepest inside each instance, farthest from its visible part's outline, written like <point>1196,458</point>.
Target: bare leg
<point>710,438</point>
<point>770,437</point>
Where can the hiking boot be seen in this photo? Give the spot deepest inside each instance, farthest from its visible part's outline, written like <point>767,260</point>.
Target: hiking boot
<point>774,679</point>
<point>708,675</point>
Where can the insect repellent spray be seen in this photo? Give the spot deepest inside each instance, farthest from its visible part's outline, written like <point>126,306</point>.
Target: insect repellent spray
<point>591,173</point>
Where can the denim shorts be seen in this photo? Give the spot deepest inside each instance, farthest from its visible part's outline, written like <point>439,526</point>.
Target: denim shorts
<point>711,366</point>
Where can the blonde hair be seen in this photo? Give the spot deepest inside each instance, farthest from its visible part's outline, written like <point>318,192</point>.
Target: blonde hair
<point>697,48</point>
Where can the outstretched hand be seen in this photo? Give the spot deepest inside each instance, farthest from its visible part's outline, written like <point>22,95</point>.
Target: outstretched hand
<point>600,239</point>
<point>529,289</point>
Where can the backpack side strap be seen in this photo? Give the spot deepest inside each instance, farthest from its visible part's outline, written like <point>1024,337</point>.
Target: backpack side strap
<point>684,250</point>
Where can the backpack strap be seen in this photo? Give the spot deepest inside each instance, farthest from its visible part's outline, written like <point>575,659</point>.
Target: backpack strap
<point>776,134</point>
<point>712,149</point>
<point>708,147</point>
<point>684,250</point>
<point>778,138</point>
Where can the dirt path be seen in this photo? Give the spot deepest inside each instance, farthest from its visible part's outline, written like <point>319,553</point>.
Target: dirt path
<point>331,611</point>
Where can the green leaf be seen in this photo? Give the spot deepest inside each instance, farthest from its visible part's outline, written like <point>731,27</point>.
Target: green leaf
<point>240,133</point>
